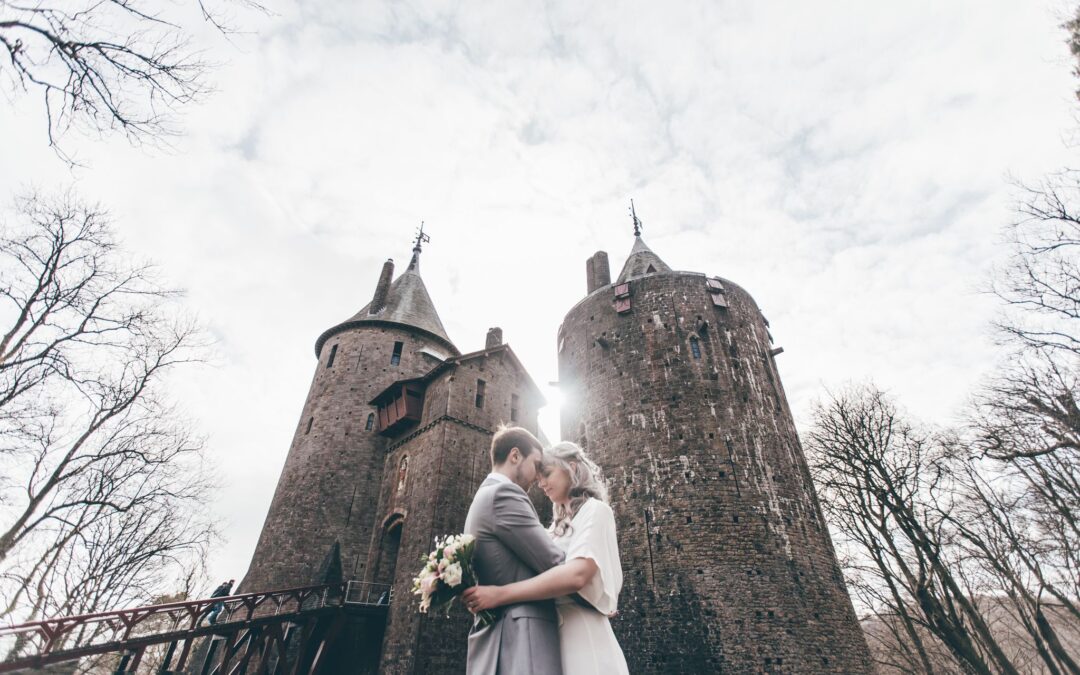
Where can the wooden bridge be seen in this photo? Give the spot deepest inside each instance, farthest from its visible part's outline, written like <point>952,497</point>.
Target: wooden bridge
<point>284,632</point>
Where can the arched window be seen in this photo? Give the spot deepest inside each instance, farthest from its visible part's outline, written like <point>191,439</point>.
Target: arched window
<point>370,422</point>
<point>695,347</point>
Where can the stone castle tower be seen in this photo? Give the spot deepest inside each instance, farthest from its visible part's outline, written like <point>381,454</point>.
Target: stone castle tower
<point>391,443</point>
<point>670,382</point>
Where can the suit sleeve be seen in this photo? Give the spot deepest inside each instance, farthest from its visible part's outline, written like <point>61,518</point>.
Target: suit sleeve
<point>520,530</point>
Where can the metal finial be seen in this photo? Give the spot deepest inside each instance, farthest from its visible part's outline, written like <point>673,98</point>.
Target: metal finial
<point>637,221</point>
<point>421,238</point>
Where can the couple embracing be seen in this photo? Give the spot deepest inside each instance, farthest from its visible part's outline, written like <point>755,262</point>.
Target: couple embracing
<point>551,589</point>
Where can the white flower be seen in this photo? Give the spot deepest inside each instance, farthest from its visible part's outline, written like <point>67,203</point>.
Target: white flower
<point>452,575</point>
<point>427,584</point>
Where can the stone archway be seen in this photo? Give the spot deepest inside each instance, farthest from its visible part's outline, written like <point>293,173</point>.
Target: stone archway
<point>389,544</point>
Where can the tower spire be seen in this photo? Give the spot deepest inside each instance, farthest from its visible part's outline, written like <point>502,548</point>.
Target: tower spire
<point>421,239</point>
<point>637,221</point>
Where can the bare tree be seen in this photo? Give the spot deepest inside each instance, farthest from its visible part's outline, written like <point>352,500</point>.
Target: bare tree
<point>997,527</point>
<point>104,482</point>
<point>1040,285</point>
<point>108,65</point>
<point>886,491</point>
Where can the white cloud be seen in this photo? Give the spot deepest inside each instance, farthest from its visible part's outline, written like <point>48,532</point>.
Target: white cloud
<point>844,162</point>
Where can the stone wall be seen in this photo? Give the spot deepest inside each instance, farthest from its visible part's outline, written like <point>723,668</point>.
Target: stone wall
<point>329,485</point>
<point>728,564</point>
<point>431,474</point>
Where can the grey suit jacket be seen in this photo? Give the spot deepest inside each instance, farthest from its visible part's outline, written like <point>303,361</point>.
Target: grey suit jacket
<point>512,545</point>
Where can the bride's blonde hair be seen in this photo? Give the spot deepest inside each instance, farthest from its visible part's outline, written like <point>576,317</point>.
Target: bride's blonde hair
<point>586,480</point>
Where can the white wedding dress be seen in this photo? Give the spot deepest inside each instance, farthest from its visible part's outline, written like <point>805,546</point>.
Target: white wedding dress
<point>588,644</point>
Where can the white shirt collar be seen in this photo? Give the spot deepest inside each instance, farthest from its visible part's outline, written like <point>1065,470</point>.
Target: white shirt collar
<point>499,477</point>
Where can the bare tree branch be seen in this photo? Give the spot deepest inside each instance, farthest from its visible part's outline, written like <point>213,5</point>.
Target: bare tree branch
<point>101,503</point>
<point>108,65</point>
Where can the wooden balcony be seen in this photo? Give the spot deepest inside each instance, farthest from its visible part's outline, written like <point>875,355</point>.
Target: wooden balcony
<point>400,408</point>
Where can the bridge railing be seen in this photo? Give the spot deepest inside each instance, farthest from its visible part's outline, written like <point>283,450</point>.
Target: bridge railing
<point>366,593</point>
<point>43,637</point>
<point>52,640</point>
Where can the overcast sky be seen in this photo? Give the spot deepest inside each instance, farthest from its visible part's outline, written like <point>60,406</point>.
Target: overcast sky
<point>848,163</point>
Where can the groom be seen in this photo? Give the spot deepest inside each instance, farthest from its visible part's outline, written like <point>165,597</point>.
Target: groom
<point>512,545</point>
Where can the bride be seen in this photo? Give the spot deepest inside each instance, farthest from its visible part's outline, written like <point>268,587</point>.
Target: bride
<point>584,527</point>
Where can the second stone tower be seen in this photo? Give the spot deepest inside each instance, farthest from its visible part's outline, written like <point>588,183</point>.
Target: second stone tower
<point>669,380</point>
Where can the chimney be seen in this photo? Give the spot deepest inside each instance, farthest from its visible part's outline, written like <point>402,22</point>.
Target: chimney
<point>494,338</point>
<point>597,272</point>
<point>382,289</point>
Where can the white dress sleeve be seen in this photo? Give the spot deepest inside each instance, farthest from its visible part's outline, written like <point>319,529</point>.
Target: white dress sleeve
<point>593,536</point>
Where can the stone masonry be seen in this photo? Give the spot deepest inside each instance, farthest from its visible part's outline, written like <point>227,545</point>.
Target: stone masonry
<point>670,382</point>
<point>329,485</point>
<point>358,502</point>
<point>430,477</point>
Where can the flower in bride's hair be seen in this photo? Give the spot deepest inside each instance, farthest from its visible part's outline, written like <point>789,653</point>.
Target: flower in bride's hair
<point>452,575</point>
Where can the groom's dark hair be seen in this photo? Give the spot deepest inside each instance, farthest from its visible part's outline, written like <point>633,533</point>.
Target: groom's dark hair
<point>507,438</point>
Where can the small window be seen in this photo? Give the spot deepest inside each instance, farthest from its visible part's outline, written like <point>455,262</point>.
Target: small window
<point>310,421</point>
<point>370,422</point>
<point>333,353</point>
<point>396,358</point>
<point>403,472</point>
<point>695,347</point>
<point>480,387</point>
<point>650,270</point>
<point>513,407</point>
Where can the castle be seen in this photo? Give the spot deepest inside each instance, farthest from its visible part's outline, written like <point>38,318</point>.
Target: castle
<point>670,384</point>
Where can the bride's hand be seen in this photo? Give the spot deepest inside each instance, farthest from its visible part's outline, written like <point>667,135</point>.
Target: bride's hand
<point>479,598</point>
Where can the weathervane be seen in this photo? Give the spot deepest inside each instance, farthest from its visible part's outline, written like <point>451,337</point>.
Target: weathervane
<point>421,238</point>
<point>637,221</point>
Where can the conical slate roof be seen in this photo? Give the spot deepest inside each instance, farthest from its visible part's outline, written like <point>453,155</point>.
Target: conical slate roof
<point>642,261</point>
<point>407,303</point>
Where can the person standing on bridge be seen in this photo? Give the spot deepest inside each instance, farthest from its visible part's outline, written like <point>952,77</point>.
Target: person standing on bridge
<point>220,592</point>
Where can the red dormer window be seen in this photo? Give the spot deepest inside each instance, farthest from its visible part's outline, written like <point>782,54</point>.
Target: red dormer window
<point>622,298</point>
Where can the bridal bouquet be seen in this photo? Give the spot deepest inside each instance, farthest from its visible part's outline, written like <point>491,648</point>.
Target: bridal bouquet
<point>447,572</point>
